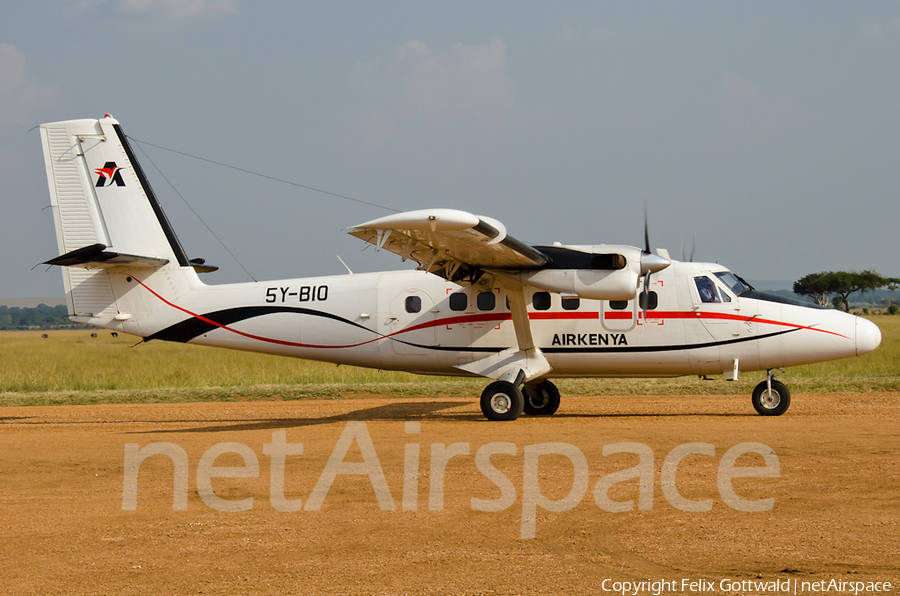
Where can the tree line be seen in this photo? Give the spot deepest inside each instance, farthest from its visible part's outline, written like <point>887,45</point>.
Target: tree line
<point>39,317</point>
<point>834,287</point>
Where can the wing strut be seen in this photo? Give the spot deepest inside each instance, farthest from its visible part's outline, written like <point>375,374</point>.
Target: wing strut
<point>516,365</point>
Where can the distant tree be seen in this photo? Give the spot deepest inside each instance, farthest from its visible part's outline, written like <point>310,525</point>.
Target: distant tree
<point>850,282</point>
<point>39,317</point>
<point>820,286</point>
<point>893,285</point>
<point>817,286</point>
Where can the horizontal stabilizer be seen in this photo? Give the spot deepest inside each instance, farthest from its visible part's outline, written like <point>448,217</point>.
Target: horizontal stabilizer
<point>96,256</point>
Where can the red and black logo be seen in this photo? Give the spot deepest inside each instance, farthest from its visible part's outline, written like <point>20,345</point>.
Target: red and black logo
<point>109,174</point>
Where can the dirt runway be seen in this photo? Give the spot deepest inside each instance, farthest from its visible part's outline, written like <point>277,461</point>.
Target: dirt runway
<point>389,495</point>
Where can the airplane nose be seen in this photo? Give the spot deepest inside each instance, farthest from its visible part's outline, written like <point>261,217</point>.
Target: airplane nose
<point>868,336</point>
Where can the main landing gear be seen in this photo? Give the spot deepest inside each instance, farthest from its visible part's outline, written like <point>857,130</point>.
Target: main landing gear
<point>502,400</point>
<point>771,398</point>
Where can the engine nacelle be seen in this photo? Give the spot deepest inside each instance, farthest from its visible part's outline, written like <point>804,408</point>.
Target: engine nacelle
<point>601,272</point>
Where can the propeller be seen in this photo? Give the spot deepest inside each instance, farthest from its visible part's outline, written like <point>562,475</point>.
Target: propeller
<point>693,249</point>
<point>650,263</point>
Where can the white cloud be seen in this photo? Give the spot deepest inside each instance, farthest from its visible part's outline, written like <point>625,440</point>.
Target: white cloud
<point>882,32</point>
<point>19,97</point>
<point>739,87</point>
<point>173,10</point>
<point>418,89</point>
<point>601,35</point>
<point>569,35</point>
<point>374,129</point>
<point>470,79</point>
<point>754,113</point>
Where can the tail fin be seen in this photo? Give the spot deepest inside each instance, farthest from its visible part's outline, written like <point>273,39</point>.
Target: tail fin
<point>107,216</point>
<point>100,196</point>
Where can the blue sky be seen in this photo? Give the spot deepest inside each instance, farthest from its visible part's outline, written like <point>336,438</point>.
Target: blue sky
<point>769,130</point>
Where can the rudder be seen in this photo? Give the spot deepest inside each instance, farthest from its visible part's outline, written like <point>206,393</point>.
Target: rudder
<point>105,213</point>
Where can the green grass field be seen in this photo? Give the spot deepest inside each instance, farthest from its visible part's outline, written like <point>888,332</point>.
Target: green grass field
<point>71,367</point>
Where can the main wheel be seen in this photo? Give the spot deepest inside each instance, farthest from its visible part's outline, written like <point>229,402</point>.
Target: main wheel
<point>502,400</point>
<point>541,399</point>
<point>774,403</point>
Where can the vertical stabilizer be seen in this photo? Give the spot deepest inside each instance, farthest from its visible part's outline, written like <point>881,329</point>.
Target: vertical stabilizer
<point>108,220</point>
<point>100,194</point>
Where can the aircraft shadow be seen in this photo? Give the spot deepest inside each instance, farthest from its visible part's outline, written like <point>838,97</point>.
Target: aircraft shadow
<point>398,411</point>
<point>418,410</point>
<point>655,415</point>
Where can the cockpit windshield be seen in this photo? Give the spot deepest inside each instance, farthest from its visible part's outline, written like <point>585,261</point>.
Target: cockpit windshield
<point>733,282</point>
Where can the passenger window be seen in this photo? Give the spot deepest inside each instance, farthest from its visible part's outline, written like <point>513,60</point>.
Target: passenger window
<point>413,304</point>
<point>648,301</point>
<point>541,301</point>
<point>707,289</point>
<point>459,301</point>
<point>571,303</point>
<point>618,304</point>
<point>486,301</point>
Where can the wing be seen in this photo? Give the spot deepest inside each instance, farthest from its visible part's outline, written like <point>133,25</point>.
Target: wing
<point>458,246</point>
<point>449,242</point>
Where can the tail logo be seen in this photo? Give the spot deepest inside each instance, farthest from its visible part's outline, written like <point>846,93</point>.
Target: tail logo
<point>107,175</point>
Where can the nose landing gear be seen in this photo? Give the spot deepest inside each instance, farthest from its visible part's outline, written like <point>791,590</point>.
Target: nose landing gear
<point>771,398</point>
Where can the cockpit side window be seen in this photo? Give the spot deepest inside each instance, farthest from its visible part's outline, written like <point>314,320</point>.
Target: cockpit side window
<point>707,289</point>
<point>733,282</point>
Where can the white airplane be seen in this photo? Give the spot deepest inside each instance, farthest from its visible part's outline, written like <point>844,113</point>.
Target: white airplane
<point>481,303</point>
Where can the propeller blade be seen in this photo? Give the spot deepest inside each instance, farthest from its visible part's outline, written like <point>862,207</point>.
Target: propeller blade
<point>646,229</point>
<point>693,248</point>
<point>650,263</point>
<point>646,297</point>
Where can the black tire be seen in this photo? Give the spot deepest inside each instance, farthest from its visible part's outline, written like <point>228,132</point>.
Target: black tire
<point>502,400</point>
<point>541,399</point>
<point>775,404</point>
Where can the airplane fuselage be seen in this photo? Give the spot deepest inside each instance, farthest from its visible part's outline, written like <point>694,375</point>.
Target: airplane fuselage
<point>418,322</point>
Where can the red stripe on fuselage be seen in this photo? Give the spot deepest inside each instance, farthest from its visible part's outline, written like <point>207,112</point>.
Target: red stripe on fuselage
<point>617,316</point>
<point>496,318</point>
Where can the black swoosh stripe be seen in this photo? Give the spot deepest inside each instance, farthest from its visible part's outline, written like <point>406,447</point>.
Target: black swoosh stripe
<point>191,328</point>
<point>620,349</point>
<point>609,349</point>
<point>188,329</point>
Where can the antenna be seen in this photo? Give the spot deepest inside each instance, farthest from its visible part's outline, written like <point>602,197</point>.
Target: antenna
<point>344,264</point>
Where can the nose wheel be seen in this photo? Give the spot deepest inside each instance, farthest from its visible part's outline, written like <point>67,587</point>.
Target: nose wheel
<point>771,398</point>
